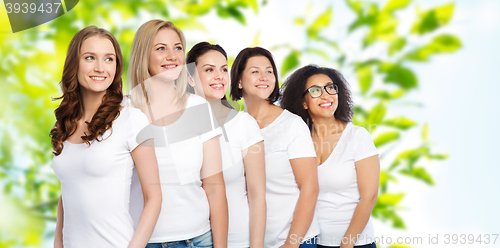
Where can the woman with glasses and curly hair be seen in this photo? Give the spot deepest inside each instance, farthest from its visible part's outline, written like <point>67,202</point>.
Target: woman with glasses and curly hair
<point>348,163</point>
<point>96,145</point>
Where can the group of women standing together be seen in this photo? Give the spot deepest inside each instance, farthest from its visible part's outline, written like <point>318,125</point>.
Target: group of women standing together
<point>173,164</point>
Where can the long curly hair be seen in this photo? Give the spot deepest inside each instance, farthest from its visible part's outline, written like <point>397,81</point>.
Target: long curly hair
<point>70,111</point>
<point>295,86</point>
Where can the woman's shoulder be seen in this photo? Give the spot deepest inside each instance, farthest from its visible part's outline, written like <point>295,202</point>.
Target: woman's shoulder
<point>129,113</point>
<point>358,131</point>
<point>293,119</point>
<point>193,100</point>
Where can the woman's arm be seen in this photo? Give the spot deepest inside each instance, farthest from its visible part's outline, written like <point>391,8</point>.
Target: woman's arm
<point>58,236</point>
<point>213,184</point>
<point>368,173</point>
<point>305,171</point>
<point>255,174</point>
<point>147,170</point>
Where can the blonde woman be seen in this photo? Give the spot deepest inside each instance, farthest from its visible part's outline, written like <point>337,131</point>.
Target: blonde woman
<point>194,213</point>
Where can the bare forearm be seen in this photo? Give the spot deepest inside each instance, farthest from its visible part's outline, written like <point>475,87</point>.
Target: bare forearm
<point>217,201</point>
<point>358,222</point>
<point>258,212</point>
<point>147,222</point>
<point>58,235</point>
<point>303,215</point>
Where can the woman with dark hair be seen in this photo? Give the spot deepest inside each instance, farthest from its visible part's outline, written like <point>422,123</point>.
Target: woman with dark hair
<point>349,166</point>
<point>186,141</point>
<point>95,141</point>
<point>291,176</point>
<point>242,148</point>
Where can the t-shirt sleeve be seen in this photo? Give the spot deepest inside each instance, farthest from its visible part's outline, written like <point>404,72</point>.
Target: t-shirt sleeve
<point>139,129</point>
<point>301,145</point>
<point>210,120</point>
<point>250,131</point>
<point>363,144</point>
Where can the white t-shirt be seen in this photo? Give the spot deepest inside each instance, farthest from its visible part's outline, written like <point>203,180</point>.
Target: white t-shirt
<point>239,132</point>
<point>339,193</point>
<point>286,138</point>
<point>179,150</point>
<point>95,185</point>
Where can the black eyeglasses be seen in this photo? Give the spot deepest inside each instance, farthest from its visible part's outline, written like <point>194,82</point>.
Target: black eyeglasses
<point>316,91</point>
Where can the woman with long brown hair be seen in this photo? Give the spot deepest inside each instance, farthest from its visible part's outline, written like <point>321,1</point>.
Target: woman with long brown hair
<point>96,147</point>
<point>186,141</point>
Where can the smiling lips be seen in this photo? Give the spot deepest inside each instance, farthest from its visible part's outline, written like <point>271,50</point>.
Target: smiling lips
<point>97,78</point>
<point>262,86</point>
<point>169,66</point>
<point>328,104</point>
<point>217,86</point>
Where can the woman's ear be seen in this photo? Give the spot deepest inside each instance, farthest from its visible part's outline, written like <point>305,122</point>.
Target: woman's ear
<point>239,85</point>
<point>304,104</point>
<point>191,81</point>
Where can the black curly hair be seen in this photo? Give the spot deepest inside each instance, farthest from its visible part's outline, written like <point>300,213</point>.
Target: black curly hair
<point>295,86</point>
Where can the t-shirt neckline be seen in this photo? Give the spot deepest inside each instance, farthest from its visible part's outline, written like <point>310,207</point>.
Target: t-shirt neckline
<point>275,120</point>
<point>338,142</point>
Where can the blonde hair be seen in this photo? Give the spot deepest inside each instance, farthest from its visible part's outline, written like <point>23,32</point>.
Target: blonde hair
<point>138,71</point>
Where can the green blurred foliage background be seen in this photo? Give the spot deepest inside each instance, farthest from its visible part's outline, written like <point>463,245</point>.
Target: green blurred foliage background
<point>32,62</point>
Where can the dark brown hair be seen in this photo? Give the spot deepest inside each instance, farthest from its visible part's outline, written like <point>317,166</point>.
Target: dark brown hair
<point>295,86</point>
<point>71,108</point>
<point>239,65</point>
<point>192,57</point>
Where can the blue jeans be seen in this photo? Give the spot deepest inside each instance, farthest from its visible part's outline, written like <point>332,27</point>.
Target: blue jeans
<point>372,245</point>
<point>310,243</point>
<point>204,240</point>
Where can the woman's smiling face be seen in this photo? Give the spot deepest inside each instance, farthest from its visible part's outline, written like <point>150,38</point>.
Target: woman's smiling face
<point>213,74</point>
<point>167,54</point>
<point>257,79</point>
<point>97,64</point>
<point>326,104</point>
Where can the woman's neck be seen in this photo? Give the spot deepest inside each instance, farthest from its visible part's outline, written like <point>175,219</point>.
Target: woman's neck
<point>327,126</point>
<point>162,91</point>
<point>220,111</point>
<point>258,108</point>
<point>91,102</point>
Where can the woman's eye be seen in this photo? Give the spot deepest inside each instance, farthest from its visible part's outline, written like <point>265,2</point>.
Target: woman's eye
<point>160,48</point>
<point>254,71</point>
<point>314,90</point>
<point>209,70</point>
<point>178,48</point>
<point>109,59</point>
<point>269,71</point>
<point>225,70</point>
<point>89,57</point>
